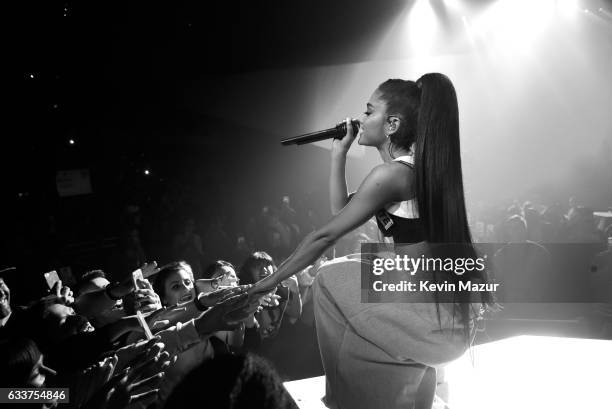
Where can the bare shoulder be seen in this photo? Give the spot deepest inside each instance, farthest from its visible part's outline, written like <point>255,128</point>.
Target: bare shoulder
<point>394,176</point>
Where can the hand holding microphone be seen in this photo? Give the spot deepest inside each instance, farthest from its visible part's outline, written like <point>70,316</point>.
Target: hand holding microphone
<point>343,144</point>
<point>337,132</point>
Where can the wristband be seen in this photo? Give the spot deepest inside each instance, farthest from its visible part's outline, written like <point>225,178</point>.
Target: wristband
<point>107,290</point>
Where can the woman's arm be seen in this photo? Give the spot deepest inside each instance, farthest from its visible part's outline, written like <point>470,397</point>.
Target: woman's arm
<point>338,195</point>
<point>384,184</point>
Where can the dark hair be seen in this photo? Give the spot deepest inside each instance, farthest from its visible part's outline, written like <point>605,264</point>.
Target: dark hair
<point>429,116</point>
<point>165,272</point>
<point>215,266</point>
<point>17,358</point>
<point>402,99</point>
<point>254,262</point>
<point>235,382</point>
<point>430,119</point>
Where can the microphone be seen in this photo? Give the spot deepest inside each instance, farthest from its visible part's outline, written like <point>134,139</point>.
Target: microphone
<point>336,132</point>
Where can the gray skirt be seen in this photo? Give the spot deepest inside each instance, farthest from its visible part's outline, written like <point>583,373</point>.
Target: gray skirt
<point>379,355</point>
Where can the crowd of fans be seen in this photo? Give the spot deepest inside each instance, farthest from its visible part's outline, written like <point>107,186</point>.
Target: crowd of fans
<point>140,335</point>
<point>129,343</point>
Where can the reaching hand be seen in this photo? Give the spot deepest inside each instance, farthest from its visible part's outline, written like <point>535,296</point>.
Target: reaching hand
<point>149,269</point>
<point>214,297</point>
<point>270,300</point>
<point>226,315</point>
<point>136,385</point>
<point>59,295</point>
<point>127,355</point>
<point>263,287</point>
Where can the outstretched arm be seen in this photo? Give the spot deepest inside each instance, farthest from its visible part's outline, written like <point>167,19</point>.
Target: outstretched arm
<point>383,185</point>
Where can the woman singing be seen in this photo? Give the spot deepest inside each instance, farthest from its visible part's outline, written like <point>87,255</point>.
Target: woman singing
<point>382,355</point>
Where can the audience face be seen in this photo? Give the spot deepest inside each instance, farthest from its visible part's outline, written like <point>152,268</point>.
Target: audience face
<point>178,288</point>
<point>227,275</point>
<point>262,273</point>
<point>5,300</point>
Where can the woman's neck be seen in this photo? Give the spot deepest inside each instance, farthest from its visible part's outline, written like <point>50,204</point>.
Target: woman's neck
<point>386,157</point>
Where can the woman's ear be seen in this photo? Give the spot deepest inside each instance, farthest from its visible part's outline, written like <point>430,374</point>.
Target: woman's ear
<point>393,124</point>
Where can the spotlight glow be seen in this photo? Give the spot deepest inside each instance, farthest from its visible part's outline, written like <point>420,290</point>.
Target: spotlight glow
<point>567,8</point>
<point>422,27</point>
<point>513,25</point>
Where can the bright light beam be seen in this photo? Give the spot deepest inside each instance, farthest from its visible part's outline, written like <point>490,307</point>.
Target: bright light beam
<point>422,28</point>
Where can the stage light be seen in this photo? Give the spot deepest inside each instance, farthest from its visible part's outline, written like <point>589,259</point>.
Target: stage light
<point>147,172</point>
<point>422,27</point>
<point>567,7</point>
<point>513,25</point>
<point>71,141</point>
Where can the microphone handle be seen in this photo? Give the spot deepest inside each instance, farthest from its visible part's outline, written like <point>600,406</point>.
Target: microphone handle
<point>337,132</point>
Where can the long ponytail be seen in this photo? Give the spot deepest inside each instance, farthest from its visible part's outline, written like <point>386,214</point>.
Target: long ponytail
<point>439,184</point>
<point>439,181</point>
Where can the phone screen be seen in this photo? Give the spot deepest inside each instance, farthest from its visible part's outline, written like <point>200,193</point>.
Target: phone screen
<point>51,278</point>
<point>137,275</point>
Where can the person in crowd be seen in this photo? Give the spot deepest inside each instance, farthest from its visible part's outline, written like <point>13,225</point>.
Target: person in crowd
<point>14,319</point>
<point>175,284</point>
<point>22,364</point>
<point>225,273</point>
<point>103,302</point>
<point>524,269</point>
<point>91,281</point>
<point>282,303</point>
<point>377,356</point>
<point>234,382</point>
<point>581,227</point>
<point>5,305</point>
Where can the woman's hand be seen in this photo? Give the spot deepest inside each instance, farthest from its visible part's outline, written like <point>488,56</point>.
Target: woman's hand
<point>226,315</point>
<point>270,300</point>
<point>341,146</point>
<point>263,287</point>
<point>217,296</point>
<point>149,269</point>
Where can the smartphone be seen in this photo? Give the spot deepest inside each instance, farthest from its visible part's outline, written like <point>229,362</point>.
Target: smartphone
<point>51,278</point>
<point>137,275</point>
